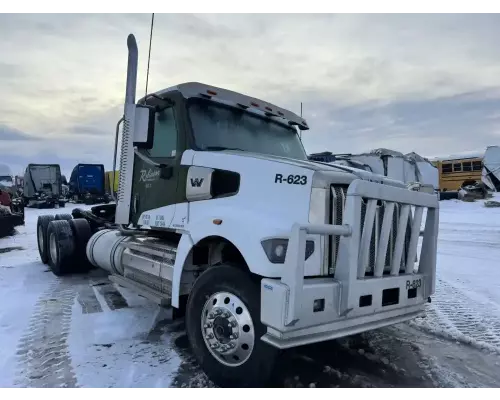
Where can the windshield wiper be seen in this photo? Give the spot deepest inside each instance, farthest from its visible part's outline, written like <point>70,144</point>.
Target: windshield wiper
<point>220,148</point>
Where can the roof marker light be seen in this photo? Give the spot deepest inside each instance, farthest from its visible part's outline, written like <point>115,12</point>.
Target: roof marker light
<point>211,92</point>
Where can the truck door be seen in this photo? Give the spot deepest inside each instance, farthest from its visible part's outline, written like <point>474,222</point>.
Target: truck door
<point>151,190</point>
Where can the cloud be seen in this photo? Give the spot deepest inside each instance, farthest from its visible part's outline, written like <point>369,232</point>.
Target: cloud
<point>7,133</point>
<point>449,124</point>
<point>428,83</point>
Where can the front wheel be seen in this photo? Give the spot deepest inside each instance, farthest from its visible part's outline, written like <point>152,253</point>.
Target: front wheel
<point>224,328</point>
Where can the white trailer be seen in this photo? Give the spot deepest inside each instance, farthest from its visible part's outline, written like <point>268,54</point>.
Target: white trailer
<point>428,173</point>
<point>413,170</point>
<point>491,168</point>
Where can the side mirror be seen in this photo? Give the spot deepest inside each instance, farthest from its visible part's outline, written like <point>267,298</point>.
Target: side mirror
<point>144,127</point>
<point>166,171</point>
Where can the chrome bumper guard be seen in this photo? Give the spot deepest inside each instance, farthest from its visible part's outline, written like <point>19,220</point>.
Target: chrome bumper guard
<point>299,311</point>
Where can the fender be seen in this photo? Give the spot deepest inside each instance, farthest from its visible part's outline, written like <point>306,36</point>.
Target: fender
<point>247,242</point>
<point>183,249</point>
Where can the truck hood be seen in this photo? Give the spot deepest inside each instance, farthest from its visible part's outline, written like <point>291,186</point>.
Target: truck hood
<point>321,167</point>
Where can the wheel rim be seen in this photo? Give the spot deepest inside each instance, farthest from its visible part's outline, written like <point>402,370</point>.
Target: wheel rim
<point>41,244</point>
<point>53,248</point>
<point>227,329</point>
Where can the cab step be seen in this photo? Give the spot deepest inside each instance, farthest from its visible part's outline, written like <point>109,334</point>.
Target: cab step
<point>161,299</point>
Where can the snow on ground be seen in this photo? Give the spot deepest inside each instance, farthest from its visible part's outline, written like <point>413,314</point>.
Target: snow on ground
<point>84,331</point>
<point>466,305</point>
<point>75,331</point>
<point>22,282</point>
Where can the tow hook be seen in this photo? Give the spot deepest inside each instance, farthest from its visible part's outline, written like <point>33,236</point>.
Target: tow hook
<point>429,300</point>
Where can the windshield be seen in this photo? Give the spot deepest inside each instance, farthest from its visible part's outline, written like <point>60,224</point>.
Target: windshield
<point>6,180</point>
<point>219,127</point>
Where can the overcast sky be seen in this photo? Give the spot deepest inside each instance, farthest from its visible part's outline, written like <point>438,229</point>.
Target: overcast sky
<point>424,83</point>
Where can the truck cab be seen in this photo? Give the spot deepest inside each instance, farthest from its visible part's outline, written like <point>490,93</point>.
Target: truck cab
<point>214,128</point>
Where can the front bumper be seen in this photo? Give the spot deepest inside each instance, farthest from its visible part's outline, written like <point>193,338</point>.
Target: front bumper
<point>365,293</point>
<point>327,321</point>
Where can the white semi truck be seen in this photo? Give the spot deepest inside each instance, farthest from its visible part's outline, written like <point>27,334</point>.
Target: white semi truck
<point>219,213</point>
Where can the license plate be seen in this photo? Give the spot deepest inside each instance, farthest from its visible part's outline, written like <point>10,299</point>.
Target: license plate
<point>413,284</point>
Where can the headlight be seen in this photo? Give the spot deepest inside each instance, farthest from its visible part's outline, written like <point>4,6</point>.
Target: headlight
<point>275,249</point>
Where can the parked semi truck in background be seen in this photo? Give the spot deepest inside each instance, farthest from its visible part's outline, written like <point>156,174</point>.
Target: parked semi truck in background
<point>87,184</point>
<point>42,186</point>
<point>220,213</point>
<point>11,205</point>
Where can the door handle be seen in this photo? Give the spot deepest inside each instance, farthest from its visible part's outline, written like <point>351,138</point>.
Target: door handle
<point>166,171</point>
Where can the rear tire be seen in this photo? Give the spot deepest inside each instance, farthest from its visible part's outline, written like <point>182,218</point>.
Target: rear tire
<point>225,301</point>
<point>60,217</point>
<point>41,229</point>
<point>61,246</point>
<point>81,233</point>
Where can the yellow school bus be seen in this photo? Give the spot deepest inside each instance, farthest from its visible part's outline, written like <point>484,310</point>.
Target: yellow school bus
<point>455,172</point>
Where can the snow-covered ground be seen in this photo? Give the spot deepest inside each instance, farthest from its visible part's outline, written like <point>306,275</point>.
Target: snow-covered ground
<point>83,331</point>
<point>467,301</point>
<point>73,331</point>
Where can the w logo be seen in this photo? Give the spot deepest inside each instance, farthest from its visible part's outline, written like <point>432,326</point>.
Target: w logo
<point>196,182</point>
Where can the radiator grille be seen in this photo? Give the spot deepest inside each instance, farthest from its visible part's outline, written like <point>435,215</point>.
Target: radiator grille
<point>338,201</point>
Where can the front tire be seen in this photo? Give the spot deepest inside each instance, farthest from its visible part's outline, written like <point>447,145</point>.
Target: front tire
<point>224,328</point>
